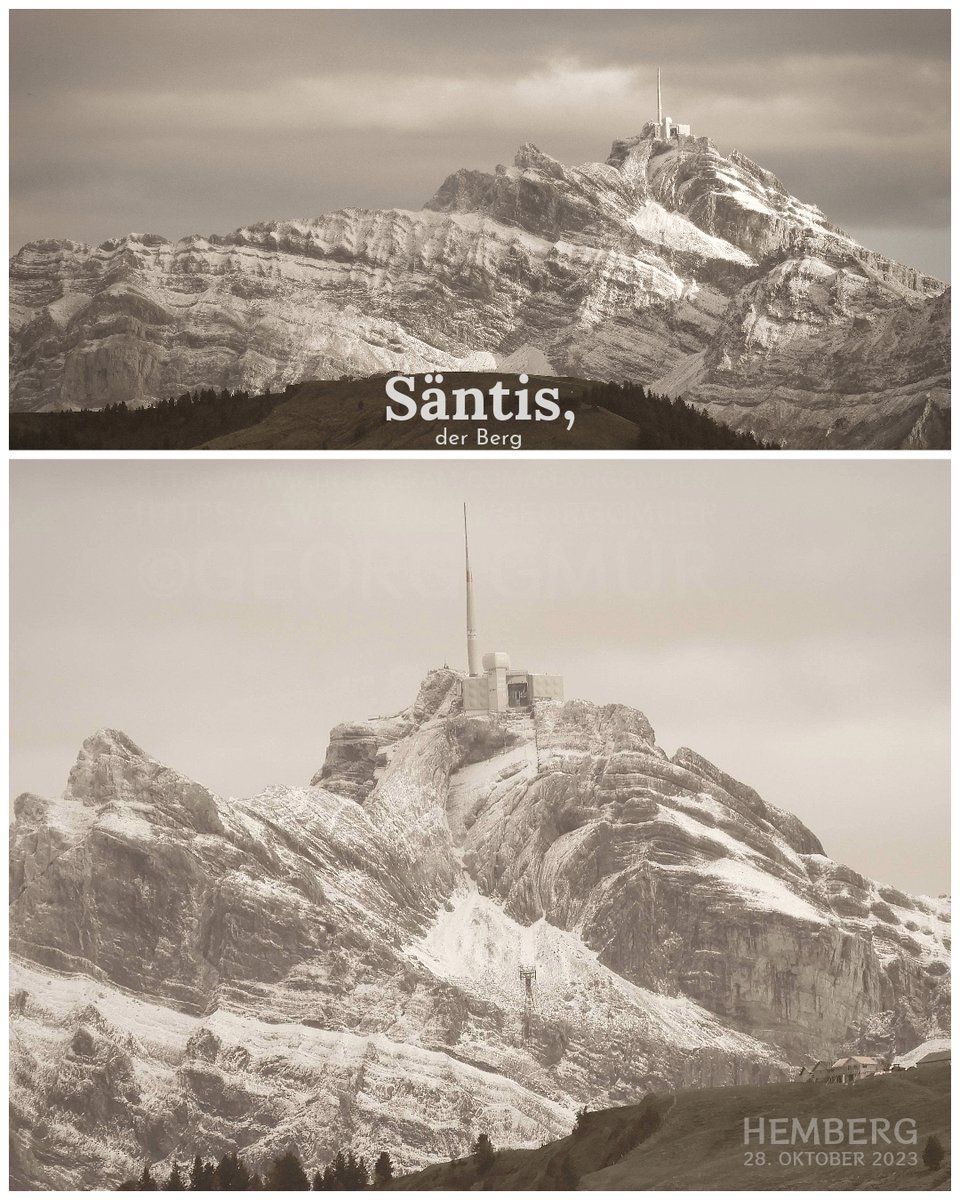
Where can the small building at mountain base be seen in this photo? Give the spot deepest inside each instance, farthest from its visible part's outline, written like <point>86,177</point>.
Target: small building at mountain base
<point>847,1070</point>
<point>933,1058</point>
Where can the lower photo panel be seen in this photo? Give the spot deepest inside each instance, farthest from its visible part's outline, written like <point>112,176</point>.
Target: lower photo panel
<point>482,824</point>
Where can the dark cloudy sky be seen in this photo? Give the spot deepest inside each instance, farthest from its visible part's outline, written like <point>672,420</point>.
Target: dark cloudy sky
<point>788,619</point>
<point>178,122</point>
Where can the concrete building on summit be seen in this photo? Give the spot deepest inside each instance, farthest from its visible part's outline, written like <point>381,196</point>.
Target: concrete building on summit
<point>499,687</point>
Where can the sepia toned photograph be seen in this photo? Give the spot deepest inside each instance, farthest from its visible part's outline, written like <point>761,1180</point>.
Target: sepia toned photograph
<point>480,230</point>
<point>480,824</point>
<point>574,816</point>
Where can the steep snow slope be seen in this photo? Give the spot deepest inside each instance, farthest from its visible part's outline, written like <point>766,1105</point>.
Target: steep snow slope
<point>667,263</point>
<point>340,963</point>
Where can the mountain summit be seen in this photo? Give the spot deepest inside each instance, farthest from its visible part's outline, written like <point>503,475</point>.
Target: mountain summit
<point>348,963</point>
<point>669,264</point>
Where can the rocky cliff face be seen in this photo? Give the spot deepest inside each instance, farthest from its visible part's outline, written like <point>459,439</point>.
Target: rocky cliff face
<point>340,963</point>
<point>669,264</point>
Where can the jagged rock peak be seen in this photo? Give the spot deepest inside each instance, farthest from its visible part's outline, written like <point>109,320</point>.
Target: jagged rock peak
<point>740,796</point>
<point>110,741</point>
<point>108,751</point>
<point>532,157</point>
<point>138,239</point>
<point>760,173</point>
<point>438,693</point>
<point>112,769</point>
<point>354,751</point>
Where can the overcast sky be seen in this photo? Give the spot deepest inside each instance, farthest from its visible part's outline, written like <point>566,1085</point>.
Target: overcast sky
<point>179,122</point>
<point>789,620</point>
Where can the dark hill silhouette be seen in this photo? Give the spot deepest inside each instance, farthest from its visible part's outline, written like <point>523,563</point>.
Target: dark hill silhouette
<point>350,414</point>
<point>693,1140</point>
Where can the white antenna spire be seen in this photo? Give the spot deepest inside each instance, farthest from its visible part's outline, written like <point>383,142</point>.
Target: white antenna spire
<point>473,663</point>
<point>659,104</point>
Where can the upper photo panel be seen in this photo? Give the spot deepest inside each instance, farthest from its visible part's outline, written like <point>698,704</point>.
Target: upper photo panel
<point>492,229</point>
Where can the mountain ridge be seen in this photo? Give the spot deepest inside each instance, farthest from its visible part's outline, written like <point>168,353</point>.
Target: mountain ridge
<point>338,964</point>
<point>695,273</point>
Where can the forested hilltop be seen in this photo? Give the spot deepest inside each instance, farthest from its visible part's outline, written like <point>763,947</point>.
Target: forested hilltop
<point>349,414</point>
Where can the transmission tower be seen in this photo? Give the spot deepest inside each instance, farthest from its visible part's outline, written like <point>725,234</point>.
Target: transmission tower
<point>527,975</point>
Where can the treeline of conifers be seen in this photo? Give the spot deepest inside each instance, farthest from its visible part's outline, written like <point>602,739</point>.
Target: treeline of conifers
<point>178,423</point>
<point>665,424</point>
<point>346,1172</point>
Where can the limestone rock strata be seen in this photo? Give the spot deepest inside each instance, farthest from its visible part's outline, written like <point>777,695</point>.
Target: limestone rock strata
<point>340,963</point>
<point>669,263</point>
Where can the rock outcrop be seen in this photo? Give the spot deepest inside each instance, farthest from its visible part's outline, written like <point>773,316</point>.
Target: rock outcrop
<point>669,264</point>
<point>340,963</point>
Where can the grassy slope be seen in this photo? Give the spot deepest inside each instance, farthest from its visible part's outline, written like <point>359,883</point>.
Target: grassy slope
<point>327,415</point>
<point>699,1142</point>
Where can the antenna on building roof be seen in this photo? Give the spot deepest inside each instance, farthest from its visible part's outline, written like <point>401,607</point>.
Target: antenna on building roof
<point>666,128</point>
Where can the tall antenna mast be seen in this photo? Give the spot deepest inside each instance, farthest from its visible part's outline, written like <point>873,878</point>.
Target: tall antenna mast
<point>659,105</point>
<point>473,664</point>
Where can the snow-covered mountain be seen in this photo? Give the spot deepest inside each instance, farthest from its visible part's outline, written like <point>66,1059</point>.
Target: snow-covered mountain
<point>668,264</point>
<point>339,964</point>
